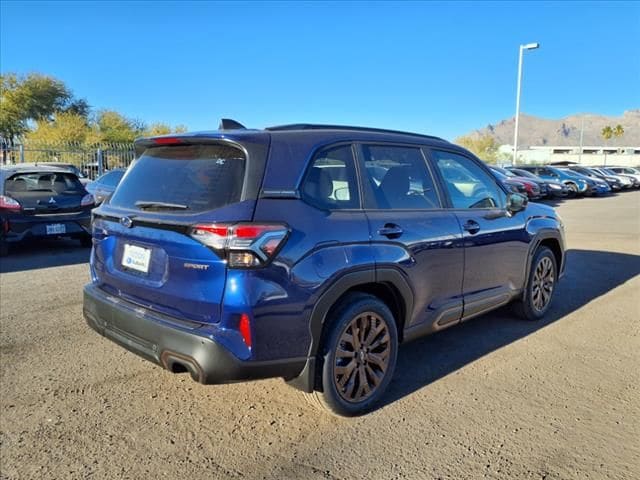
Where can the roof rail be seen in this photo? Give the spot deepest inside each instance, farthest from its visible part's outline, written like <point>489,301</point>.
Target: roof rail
<point>311,126</point>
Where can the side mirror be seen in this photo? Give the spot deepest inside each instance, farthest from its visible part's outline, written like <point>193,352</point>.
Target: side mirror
<point>516,202</point>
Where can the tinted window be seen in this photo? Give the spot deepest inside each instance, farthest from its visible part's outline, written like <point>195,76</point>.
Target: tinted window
<point>331,181</point>
<point>44,182</point>
<point>399,178</point>
<point>193,178</point>
<point>468,184</point>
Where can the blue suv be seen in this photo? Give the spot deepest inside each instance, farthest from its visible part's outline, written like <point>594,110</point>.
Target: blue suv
<point>309,252</point>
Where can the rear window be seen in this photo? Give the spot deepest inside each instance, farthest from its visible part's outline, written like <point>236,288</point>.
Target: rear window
<point>52,182</point>
<point>189,178</point>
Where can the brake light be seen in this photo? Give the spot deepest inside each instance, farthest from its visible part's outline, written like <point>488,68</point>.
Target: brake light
<point>87,200</point>
<point>168,140</point>
<point>8,203</point>
<point>245,329</point>
<point>243,245</point>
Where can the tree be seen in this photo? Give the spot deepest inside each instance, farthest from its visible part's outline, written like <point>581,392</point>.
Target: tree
<point>31,98</point>
<point>66,127</point>
<point>114,127</point>
<point>607,133</point>
<point>485,146</point>
<point>618,131</point>
<point>156,129</point>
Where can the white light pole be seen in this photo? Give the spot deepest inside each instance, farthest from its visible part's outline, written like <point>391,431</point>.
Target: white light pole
<point>528,46</point>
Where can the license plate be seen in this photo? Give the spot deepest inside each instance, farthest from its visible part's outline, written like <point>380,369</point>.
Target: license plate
<point>136,258</point>
<point>56,229</point>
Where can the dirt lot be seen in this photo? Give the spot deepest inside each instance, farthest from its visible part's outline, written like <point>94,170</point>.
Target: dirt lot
<point>496,397</point>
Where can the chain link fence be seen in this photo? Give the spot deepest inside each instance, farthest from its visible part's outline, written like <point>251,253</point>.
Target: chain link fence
<point>92,160</point>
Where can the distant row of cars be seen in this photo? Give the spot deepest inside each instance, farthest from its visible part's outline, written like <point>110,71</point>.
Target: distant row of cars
<point>55,199</point>
<point>544,181</point>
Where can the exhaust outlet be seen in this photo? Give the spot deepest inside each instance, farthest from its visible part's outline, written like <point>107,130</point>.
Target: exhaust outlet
<point>178,363</point>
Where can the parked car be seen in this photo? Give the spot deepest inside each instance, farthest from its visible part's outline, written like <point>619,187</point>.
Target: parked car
<point>510,184</point>
<point>310,253</point>
<point>597,186</point>
<point>614,182</point>
<point>576,185</point>
<point>65,166</point>
<point>534,189</point>
<point>105,185</point>
<point>630,171</point>
<point>554,188</point>
<point>627,181</point>
<point>530,189</point>
<point>42,201</point>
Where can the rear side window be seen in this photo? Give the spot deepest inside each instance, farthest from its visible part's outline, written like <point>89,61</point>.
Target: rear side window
<point>56,183</point>
<point>331,182</point>
<point>399,178</point>
<point>189,178</point>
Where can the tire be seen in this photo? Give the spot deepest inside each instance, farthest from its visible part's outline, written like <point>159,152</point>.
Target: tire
<point>86,241</point>
<point>573,189</point>
<point>543,277</point>
<point>346,394</point>
<point>4,249</point>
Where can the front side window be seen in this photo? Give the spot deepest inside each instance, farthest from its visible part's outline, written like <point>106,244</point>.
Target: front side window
<point>468,184</point>
<point>331,182</point>
<point>399,178</point>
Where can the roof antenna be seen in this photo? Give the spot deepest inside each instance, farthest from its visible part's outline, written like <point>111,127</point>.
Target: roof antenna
<point>228,124</point>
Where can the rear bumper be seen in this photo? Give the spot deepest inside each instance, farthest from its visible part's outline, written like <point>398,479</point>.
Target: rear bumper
<point>174,347</point>
<point>22,227</point>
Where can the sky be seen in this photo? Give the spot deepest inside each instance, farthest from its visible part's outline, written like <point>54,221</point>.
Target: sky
<point>433,67</point>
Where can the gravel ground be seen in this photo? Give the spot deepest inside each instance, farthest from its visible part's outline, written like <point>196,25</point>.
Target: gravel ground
<point>495,397</point>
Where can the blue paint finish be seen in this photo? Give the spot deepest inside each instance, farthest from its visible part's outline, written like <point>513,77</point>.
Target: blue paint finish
<point>449,271</point>
<point>429,248</point>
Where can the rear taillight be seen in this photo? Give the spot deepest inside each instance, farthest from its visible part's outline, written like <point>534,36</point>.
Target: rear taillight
<point>87,200</point>
<point>8,203</point>
<point>244,244</point>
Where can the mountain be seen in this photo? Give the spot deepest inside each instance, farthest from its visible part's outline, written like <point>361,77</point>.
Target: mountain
<point>536,131</point>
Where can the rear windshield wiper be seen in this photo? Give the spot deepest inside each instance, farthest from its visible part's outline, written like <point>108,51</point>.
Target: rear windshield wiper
<point>143,204</point>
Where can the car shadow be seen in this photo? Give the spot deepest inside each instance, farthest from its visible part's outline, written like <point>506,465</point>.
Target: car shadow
<point>589,275</point>
<point>45,253</point>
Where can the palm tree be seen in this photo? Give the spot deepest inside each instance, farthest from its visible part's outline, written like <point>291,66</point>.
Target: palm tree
<point>607,133</point>
<point>618,131</point>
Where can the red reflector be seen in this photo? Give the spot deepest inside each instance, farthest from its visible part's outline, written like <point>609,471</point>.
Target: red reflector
<point>167,140</point>
<point>245,329</point>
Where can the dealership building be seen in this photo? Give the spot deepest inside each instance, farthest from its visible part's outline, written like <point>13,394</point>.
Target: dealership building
<point>585,155</point>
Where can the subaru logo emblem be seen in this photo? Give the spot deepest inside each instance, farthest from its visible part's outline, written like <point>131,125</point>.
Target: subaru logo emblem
<point>126,222</point>
<point>52,201</point>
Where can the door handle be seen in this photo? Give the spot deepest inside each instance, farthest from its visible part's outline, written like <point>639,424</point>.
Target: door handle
<point>472,227</point>
<point>391,230</point>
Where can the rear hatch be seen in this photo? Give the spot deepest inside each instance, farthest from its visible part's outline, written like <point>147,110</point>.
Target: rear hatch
<point>143,250</point>
<point>46,193</point>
